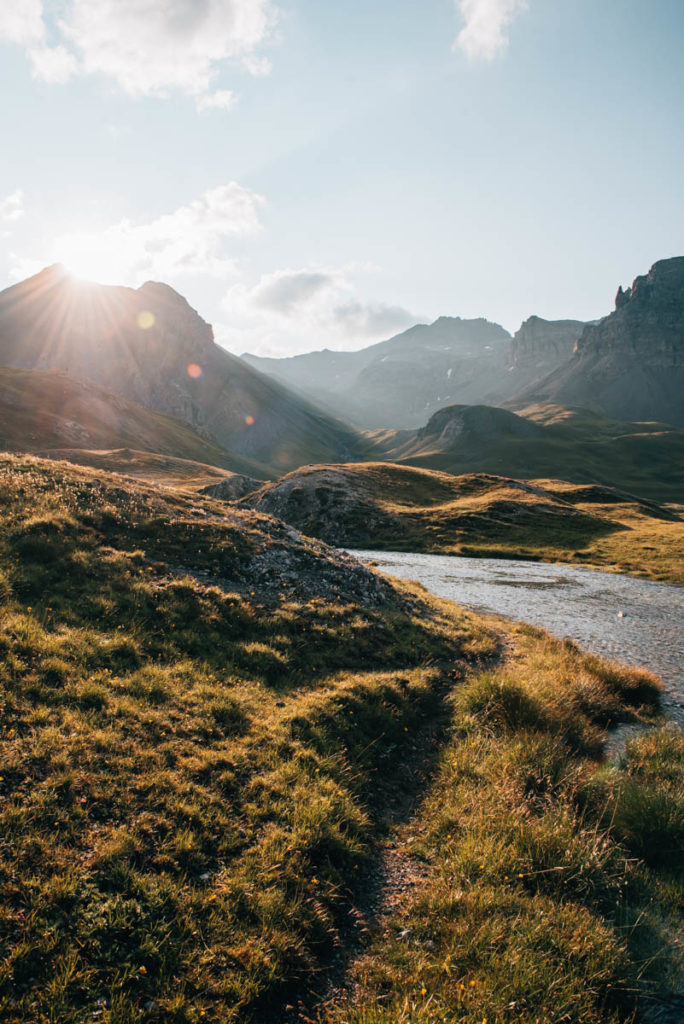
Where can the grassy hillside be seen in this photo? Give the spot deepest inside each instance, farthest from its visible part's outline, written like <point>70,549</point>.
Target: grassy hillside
<point>164,470</point>
<point>394,507</point>
<point>55,414</point>
<point>210,728</point>
<point>568,444</point>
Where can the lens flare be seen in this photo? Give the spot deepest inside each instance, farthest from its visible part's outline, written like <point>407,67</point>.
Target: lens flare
<point>146,319</point>
<point>249,420</point>
<point>194,371</point>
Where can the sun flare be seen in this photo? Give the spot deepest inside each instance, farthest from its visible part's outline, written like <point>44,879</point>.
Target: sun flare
<point>90,257</point>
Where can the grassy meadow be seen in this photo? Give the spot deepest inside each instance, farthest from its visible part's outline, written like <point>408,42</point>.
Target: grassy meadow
<point>212,734</point>
<point>394,507</point>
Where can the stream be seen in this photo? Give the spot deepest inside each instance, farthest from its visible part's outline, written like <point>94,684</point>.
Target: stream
<point>637,622</point>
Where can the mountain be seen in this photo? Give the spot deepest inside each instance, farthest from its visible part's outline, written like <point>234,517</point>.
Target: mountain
<point>540,346</point>
<point>631,363</point>
<point>545,441</point>
<point>150,347</point>
<point>52,413</point>
<point>401,381</point>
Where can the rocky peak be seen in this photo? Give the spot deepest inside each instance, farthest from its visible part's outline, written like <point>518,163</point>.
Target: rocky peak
<point>648,321</point>
<point>174,316</point>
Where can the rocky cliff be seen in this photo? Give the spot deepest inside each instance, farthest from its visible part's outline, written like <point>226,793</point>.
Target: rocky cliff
<point>629,365</point>
<point>541,345</point>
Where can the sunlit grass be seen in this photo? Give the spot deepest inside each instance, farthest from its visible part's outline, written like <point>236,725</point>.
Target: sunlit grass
<point>195,776</point>
<point>534,904</point>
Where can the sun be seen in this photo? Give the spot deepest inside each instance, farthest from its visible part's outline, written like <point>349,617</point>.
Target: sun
<point>90,257</point>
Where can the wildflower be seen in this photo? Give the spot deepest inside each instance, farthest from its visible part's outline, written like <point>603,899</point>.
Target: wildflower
<point>143,969</point>
<point>423,991</point>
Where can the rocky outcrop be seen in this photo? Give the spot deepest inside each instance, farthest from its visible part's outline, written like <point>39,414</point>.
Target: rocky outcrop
<point>630,365</point>
<point>232,488</point>
<point>648,322</point>
<point>325,502</point>
<point>542,345</point>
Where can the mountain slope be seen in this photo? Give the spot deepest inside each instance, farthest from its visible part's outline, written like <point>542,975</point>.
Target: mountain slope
<point>52,413</point>
<point>631,363</point>
<point>546,441</point>
<point>400,382</point>
<point>150,347</point>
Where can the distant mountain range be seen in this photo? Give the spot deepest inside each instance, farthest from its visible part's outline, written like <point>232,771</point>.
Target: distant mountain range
<point>629,365</point>
<point>401,382</point>
<point>149,346</point>
<point>120,372</point>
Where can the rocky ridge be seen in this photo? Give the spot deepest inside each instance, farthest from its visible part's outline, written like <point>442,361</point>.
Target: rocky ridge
<point>629,365</point>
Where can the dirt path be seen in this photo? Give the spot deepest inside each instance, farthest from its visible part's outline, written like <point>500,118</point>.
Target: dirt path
<point>393,873</point>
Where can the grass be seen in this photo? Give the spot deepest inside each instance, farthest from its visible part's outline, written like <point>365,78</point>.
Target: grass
<point>196,758</point>
<point>573,444</point>
<point>386,506</point>
<point>545,890</point>
<point>185,768</point>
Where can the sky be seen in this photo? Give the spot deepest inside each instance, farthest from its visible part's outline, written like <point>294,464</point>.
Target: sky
<point>314,174</point>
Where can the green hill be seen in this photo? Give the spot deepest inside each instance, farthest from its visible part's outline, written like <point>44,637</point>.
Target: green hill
<point>392,507</point>
<point>212,732</point>
<point>545,441</point>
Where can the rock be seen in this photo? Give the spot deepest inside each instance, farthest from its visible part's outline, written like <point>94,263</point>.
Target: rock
<point>539,346</point>
<point>232,488</point>
<point>630,365</point>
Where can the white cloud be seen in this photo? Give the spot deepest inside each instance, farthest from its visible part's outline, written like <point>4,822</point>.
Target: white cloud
<point>21,22</point>
<point>222,99</point>
<point>485,33</point>
<point>289,291</point>
<point>52,64</point>
<point>191,240</point>
<point>300,309</point>
<point>12,206</point>
<point>147,47</point>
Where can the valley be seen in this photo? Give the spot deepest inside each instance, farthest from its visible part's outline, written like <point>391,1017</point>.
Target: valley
<point>341,512</point>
